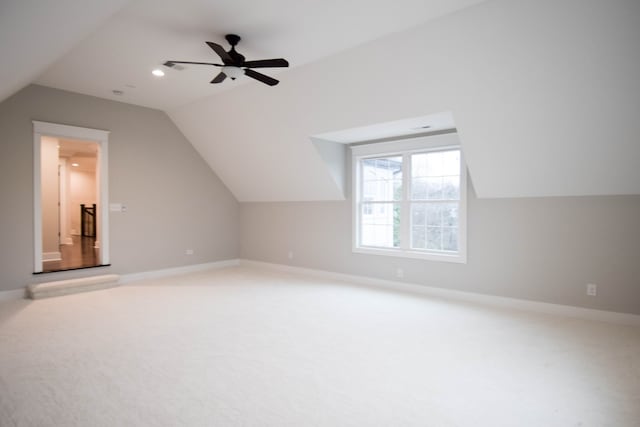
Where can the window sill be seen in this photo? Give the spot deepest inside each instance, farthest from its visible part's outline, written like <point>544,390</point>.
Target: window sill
<point>429,256</point>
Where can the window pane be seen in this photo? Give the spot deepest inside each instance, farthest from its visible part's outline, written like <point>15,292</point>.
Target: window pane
<point>382,178</point>
<point>418,214</point>
<point>397,188</point>
<point>434,188</point>
<point>368,169</point>
<point>435,166</point>
<point>380,225</point>
<point>419,165</point>
<point>434,215</point>
<point>419,189</point>
<point>450,214</point>
<point>368,190</point>
<point>418,237</point>
<point>434,238</point>
<point>435,175</point>
<point>451,188</point>
<point>434,226</point>
<point>450,238</point>
<point>451,162</point>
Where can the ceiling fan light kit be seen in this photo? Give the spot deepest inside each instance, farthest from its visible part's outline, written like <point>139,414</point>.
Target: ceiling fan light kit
<point>232,72</point>
<point>234,64</point>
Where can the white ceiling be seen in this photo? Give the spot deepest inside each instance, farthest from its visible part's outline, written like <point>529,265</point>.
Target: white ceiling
<point>73,148</point>
<point>122,52</point>
<point>35,33</point>
<point>545,94</point>
<point>538,113</point>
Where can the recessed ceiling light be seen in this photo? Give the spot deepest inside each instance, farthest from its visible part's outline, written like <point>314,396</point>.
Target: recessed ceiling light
<point>158,72</point>
<point>75,165</point>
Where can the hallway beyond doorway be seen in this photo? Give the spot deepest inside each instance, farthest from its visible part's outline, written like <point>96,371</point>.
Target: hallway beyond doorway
<point>81,254</point>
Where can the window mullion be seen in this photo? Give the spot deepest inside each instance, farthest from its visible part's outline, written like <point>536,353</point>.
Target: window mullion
<point>405,216</point>
<point>359,197</point>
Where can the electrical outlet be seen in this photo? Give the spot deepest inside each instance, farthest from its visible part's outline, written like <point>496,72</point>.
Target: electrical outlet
<point>592,289</point>
<point>399,273</point>
<point>290,255</point>
<point>188,252</point>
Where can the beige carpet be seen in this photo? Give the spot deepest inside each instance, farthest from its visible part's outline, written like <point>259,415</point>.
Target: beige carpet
<point>244,347</point>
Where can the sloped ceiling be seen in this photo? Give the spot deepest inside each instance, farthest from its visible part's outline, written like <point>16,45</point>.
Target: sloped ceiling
<point>35,33</point>
<point>545,96</point>
<point>120,54</point>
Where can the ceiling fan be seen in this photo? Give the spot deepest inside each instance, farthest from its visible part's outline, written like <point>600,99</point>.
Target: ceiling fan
<point>234,65</point>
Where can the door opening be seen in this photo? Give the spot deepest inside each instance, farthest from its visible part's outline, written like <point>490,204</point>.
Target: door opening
<point>70,198</point>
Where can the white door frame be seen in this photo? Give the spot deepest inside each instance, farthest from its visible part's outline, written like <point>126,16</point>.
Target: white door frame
<point>101,137</point>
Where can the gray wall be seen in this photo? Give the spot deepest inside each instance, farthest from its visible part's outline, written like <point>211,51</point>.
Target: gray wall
<point>175,202</point>
<point>541,249</point>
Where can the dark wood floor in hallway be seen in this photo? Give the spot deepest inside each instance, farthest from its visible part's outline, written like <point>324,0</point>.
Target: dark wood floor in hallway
<point>81,254</point>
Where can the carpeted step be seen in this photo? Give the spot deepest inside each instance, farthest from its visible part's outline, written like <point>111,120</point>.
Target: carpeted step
<point>72,286</point>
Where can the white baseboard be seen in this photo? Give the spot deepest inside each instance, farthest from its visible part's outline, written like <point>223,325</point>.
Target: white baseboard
<point>154,274</point>
<point>51,256</point>
<point>511,303</point>
<point>13,295</point>
<point>17,294</point>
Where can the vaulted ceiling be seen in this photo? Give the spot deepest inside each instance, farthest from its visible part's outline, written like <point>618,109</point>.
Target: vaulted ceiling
<point>143,34</point>
<point>544,94</point>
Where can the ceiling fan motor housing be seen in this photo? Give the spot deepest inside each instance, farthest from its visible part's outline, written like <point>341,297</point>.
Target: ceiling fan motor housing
<point>233,39</point>
<point>237,58</point>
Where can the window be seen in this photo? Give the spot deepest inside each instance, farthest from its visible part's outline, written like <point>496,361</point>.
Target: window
<point>410,198</point>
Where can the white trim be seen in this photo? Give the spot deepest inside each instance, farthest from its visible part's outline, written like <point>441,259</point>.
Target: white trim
<point>431,291</point>
<point>37,202</point>
<point>63,219</point>
<point>13,295</point>
<point>51,256</point>
<point>125,279</point>
<point>102,242</point>
<point>424,255</point>
<point>41,129</point>
<point>166,272</point>
<point>66,131</point>
<point>411,144</point>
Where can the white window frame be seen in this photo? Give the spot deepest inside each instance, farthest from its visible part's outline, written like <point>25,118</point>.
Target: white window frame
<point>406,148</point>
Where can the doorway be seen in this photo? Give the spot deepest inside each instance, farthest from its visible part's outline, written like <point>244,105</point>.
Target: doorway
<point>70,198</point>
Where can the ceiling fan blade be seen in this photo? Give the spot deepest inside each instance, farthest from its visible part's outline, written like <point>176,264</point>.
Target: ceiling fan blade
<point>172,63</point>
<point>219,78</point>
<point>266,63</point>
<point>221,52</point>
<point>260,77</point>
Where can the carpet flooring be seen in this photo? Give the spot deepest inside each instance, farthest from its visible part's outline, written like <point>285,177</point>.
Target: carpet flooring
<point>250,347</point>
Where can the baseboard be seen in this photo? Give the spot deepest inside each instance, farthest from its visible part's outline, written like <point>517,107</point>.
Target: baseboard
<point>166,272</point>
<point>51,256</point>
<point>505,302</point>
<point>13,295</point>
<point>17,294</point>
